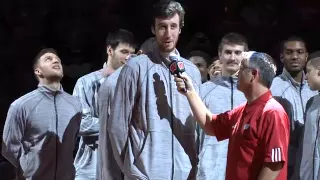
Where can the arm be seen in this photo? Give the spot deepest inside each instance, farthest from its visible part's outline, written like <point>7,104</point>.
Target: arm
<point>200,112</point>
<point>270,171</point>
<point>212,124</point>
<point>275,141</point>
<point>119,120</point>
<point>89,125</point>
<point>12,135</point>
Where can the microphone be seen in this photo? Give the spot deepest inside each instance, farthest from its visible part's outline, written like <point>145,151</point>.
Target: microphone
<point>176,67</point>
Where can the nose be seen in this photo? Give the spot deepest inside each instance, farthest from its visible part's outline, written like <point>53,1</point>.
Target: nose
<point>55,60</point>
<point>167,32</point>
<point>233,56</point>
<point>295,55</point>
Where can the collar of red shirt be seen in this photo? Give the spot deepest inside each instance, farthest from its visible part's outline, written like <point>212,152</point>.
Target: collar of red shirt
<point>260,100</point>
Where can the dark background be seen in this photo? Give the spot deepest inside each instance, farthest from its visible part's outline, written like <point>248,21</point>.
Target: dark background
<point>77,30</point>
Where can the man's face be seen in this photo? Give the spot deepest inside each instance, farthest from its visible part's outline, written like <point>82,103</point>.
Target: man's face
<point>167,32</point>
<point>294,56</point>
<point>244,76</point>
<point>230,57</point>
<point>202,66</point>
<point>49,67</point>
<point>120,54</point>
<point>313,77</point>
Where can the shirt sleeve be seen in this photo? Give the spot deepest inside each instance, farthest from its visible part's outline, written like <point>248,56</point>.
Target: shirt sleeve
<point>89,124</point>
<point>223,123</point>
<point>12,135</point>
<point>275,136</point>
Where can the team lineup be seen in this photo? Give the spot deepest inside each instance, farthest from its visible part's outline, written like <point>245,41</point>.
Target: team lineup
<point>155,115</point>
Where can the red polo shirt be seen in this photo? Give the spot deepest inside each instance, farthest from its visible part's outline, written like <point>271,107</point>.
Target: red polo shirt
<point>258,133</point>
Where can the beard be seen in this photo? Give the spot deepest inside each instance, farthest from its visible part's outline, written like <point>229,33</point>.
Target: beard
<point>166,49</point>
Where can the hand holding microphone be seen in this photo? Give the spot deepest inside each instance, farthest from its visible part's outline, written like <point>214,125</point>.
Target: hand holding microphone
<point>183,82</point>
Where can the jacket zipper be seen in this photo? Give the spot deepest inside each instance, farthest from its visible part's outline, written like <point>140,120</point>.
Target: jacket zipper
<point>57,135</point>
<point>231,93</point>
<point>301,101</point>
<point>171,124</point>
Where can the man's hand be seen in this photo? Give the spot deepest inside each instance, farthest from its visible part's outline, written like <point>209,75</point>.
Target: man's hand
<point>184,82</point>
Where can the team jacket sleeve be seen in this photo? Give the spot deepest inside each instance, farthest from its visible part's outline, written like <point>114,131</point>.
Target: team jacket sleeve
<point>89,125</point>
<point>120,115</point>
<point>12,135</point>
<point>275,136</point>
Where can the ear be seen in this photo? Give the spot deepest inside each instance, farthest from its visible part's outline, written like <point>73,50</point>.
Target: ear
<point>318,69</point>
<point>180,31</point>
<point>139,52</point>
<point>109,50</point>
<point>255,74</point>
<point>307,55</point>
<point>281,57</point>
<point>37,72</point>
<point>153,30</point>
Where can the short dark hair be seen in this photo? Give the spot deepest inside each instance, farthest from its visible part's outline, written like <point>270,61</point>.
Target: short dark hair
<point>40,54</point>
<point>168,8</point>
<point>120,36</point>
<point>202,54</point>
<point>290,39</point>
<point>263,62</point>
<point>233,39</point>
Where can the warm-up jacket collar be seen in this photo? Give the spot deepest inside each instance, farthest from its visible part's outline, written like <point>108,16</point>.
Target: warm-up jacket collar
<point>226,81</point>
<point>286,75</point>
<point>49,92</point>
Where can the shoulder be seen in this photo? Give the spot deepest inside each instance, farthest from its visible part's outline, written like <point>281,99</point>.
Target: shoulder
<point>135,66</point>
<point>27,99</point>
<point>26,103</point>
<point>274,109</point>
<point>277,81</point>
<point>72,100</point>
<point>89,78</point>
<point>138,61</point>
<point>278,86</point>
<point>206,88</point>
<point>110,81</point>
<point>313,101</point>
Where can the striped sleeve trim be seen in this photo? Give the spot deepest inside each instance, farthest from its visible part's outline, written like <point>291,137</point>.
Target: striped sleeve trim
<point>276,155</point>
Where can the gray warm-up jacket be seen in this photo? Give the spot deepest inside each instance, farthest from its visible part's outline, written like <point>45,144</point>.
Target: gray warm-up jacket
<point>151,127</point>
<point>40,134</point>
